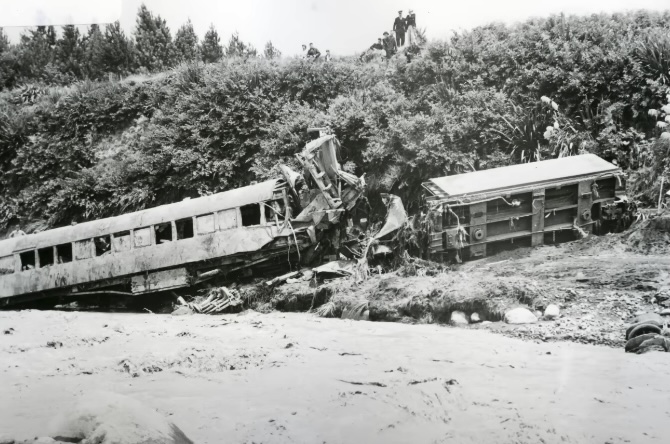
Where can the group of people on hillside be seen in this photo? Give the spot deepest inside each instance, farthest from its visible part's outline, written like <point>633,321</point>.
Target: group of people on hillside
<point>313,54</point>
<point>391,41</point>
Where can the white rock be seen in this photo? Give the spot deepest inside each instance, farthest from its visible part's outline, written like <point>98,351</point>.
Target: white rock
<point>486,322</point>
<point>458,318</point>
<point>552,312</point>
<point>520,315</point>
<point>111,418</point>
<point>474,318</point>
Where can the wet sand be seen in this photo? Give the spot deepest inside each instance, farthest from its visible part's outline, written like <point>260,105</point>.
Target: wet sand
<point>297,378</point>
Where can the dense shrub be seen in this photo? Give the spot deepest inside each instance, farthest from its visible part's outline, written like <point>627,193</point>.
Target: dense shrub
<point>487,97</point>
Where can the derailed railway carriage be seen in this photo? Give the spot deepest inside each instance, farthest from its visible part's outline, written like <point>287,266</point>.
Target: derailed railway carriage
<point>477,214</point>
<point>258,227</point>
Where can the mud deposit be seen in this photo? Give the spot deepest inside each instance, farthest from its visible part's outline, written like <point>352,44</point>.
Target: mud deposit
<point>297,378</point>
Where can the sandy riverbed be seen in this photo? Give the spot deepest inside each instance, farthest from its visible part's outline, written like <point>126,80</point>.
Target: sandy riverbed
<point>296,378</point>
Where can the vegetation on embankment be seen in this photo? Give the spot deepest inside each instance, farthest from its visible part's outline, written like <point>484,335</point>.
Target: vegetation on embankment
<point>487,97</point>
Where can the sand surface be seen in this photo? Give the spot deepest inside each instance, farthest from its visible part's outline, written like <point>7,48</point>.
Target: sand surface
<point>296,378</point>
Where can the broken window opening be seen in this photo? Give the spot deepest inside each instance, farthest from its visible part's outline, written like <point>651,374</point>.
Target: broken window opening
<point>63,253</point>
<point>163,233</point>
<point>6,265</point>
<point>103,245</point>
<point>27,260</point>
<point>46,256</point>
<point>274,210</point>
<point>251,215</point>
<point>121,241</point>
<point>184,228</point>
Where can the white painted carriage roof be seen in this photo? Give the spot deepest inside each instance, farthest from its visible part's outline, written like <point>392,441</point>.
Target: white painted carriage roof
<point>193,207</point>
<point>516,176</point>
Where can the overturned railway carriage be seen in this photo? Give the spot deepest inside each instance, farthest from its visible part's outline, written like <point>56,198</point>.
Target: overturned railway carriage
<point>480,213</point>
<point>176,245</point>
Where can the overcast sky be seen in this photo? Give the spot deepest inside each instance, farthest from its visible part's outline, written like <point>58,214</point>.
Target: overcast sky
<point>343,26</point>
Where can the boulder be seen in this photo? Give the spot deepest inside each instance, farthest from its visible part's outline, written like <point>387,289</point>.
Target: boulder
<point>458,318</point>
<point>474,318</point>
<point>520,315</point>
<point>110,418</point>
<point>552,312</point>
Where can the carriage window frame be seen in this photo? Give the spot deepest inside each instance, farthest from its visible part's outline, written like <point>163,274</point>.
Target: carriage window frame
<point>206,229</point>
<point>135,237</point>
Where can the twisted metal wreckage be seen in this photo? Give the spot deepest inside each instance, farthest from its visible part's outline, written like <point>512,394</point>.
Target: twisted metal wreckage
<point>308,218</point>
<point>299,220</point>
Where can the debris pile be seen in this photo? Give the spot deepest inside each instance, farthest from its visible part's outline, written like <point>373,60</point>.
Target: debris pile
<point>649,331</point>
<point>217,300</point>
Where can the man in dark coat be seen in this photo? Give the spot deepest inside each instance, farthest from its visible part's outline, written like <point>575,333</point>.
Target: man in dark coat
<point>375,48</point>
<point>313,53</point>
<point>399,26</point>
<point>389,45</point>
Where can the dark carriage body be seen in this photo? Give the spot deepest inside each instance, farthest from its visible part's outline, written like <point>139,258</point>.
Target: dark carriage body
<point>477,214</point>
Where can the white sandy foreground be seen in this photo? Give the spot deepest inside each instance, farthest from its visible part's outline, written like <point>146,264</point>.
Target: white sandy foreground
<point>296,378</point>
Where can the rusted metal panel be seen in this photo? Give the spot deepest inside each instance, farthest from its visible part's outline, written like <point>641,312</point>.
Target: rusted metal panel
<point>160,280</point>
<point>164,213</point>
<point>524,174</point>
<point>538,218</point>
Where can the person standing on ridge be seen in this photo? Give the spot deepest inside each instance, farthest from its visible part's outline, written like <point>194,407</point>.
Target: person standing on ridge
<point>411,28</point>
<point>399,26</point>
<point>328,57</point>
<point>304,51</point>
<point>389,45</point>
<point>313,53</point>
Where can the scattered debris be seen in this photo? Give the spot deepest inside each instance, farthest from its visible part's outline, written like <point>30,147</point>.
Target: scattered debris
<point>422,381</point>
<point>649,331</point>
<point>376,384</point>
<point>218,300</point>
<point>54,344</point>
<point>336,268</point>
<point>357,312</point>
<point>282,278</point>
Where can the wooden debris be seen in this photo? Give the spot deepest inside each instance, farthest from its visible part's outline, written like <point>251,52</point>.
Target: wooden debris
<point>217,301</point>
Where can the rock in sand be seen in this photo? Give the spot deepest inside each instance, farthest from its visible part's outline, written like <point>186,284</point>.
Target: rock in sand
<point>520,315</point>
<point>458,318</point>
<point>552,312</point>
<point>111,418</point>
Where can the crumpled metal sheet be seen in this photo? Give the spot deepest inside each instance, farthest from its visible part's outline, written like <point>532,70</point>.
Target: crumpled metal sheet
<point>396,215</point>
<point>340,268</point>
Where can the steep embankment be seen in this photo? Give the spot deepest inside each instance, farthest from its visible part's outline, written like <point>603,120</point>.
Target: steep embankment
<point>490,96</point>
